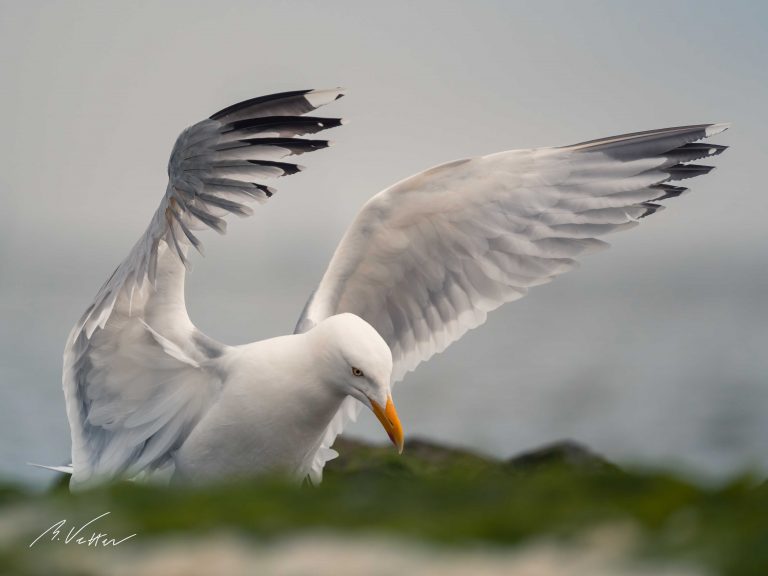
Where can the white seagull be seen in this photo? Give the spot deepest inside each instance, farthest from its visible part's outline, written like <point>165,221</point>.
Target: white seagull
<point>423,262</point>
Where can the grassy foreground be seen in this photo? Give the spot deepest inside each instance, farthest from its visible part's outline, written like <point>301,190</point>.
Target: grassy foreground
<point>431,494</point>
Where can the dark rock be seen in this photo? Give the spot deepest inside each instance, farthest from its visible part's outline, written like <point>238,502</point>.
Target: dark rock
<point>434,453</point>
<point>564,453</point>
<point>419,456</point>
<point>424,456</point>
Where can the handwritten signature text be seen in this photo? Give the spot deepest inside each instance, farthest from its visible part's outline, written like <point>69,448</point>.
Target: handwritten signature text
<point>55,533</point>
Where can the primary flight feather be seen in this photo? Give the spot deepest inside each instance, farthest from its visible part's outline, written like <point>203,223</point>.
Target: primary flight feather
<point>423,262</point>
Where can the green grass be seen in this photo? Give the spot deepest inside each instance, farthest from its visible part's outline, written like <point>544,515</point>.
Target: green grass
<point>446,497</point>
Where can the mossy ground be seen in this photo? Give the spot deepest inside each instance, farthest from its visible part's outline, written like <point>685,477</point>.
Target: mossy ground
<point>438,495</point>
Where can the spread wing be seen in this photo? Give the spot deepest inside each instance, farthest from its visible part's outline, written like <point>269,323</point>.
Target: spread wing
<point>138,375</point>
<point>426,259</point>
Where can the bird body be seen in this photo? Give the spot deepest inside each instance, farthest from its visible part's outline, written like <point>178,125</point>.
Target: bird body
<point>256,402</point>
<point>276,401</point>
<point>424,261</point>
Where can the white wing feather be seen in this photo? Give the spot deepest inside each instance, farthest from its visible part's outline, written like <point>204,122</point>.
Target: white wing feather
<point>426,259</point>
<point>137,374</point>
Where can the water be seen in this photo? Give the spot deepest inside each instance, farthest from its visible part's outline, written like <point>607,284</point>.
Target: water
<point>664,370</point>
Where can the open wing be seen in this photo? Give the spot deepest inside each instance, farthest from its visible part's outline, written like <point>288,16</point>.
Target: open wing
<point>426,259</point>
<point>138,375</point>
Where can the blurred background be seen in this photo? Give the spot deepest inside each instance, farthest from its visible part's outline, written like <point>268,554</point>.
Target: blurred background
<point>653,353</point>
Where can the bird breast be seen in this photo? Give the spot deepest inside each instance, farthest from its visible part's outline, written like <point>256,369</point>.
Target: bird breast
<point>270,416</point>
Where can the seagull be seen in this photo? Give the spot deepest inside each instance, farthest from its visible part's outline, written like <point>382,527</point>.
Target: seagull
<point>149,396</point>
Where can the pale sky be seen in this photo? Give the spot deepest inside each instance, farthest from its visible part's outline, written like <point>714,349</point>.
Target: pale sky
<point>652,352</point>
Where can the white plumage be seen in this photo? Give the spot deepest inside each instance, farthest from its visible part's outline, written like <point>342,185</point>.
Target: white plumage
<point>423,262</point>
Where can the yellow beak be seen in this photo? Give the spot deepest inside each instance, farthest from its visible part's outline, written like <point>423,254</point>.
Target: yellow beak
<point>388,418</point>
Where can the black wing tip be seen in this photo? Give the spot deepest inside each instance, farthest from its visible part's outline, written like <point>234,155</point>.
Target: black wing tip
<point>683,134</point>
<point>651,208</point>
<point>698,150</point>
<point>314,99</point>
<point>287,167</point>
<point>685,171</point>
<point>629,137</point>
<point>669,191</point>
<point>275,122</point>
<point>229,110</point>
<point>295,145</point>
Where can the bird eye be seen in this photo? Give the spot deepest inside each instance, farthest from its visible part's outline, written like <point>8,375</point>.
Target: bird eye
<point>356,372</point>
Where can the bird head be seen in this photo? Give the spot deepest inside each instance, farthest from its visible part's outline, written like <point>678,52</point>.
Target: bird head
<point>361,366</point>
